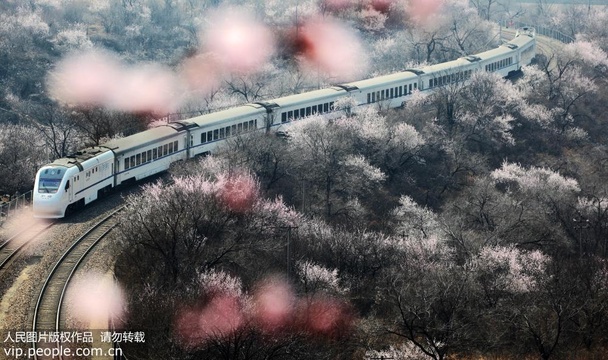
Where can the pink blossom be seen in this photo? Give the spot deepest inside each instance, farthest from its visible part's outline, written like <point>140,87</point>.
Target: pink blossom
<point>146,88</point>
<point>85,79</point>
<point>324,316</point>
<point>328,46</point>
<point>274,302</point>
<point>201,73</point>
<point>220,317</point>
<point>238,192</point>
<point>94,299</point>
<point>241,43</point>
<point>422,11</point>
<point>96,78</point>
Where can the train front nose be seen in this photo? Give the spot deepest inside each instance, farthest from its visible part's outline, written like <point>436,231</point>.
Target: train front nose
<point>48,206</point>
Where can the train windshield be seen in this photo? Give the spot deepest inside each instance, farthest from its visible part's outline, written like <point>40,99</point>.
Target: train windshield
<point>50,179</point>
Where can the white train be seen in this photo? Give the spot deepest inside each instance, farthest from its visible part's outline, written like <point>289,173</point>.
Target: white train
<point>83,177</point>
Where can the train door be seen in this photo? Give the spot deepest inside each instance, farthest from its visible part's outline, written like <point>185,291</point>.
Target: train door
<point>69,188</point>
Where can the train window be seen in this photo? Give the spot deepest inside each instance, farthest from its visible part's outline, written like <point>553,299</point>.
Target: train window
<point>209,136</point>
<point>175,145</point>
<point>369,98</point>
<point>401,90</point>
<point>216,134</point>
<point>326,107</point>
<point>320,108</point>
<point>251,125</point>
<point>331,106</point>
<point>127,163</point>
<point>165,149</point>
<point>137,159</point>
<point>133,161</point>
<point>296,114</point>
<point>144,158</point>
<point>154,154</point>
<point>314,109</point>
<point>227,131</point>
<point>222,133</point>
<point>290,115</point>
<point>255,123</point>
<point>245,126</point>
<point>308,111</point>
<point>373,97</point>
<point>171,148</point>
<point>392,93</point>
<point>240,128</point>
<point>233,131</point>
<point>415,87</point>
<point>430,83</point>
<point>284,117</point>
<point>203,138</point>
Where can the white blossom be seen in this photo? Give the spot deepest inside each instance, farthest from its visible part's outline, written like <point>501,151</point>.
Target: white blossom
<point>514,270</point>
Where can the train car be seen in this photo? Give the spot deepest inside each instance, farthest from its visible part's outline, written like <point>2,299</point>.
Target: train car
<point>207,131</point>
<point>389,91</point>
<point>83,177</point>
<point>300,106</point>
<point>146,153</point>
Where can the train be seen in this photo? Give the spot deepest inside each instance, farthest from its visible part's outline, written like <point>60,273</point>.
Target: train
<point>85,176</point>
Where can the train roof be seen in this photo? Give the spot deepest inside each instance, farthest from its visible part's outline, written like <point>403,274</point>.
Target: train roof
<point>79,157</point>
<point>387,79</point>
<point>221,116</point>
<point>140,139</point>
<point>306,97</point>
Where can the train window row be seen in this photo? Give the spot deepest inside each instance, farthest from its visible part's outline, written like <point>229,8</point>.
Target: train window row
<point>228,131</point>
<point>499,64</point>
<point>150,155</point>
<point>391,93</point>
<point>447,79</point>
<point>307,111</point>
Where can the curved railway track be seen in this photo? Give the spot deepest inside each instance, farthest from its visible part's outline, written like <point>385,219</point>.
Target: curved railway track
<point>47,312</point>
<point>17,242</point>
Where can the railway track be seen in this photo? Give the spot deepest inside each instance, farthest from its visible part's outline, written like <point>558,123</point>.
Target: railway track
<point>11,247</point>
<point>47,312</point>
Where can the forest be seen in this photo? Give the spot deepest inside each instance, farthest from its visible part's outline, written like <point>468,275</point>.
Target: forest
<point>471,223</point>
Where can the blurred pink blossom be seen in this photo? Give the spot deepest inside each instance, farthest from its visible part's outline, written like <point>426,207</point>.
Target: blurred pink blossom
<point>95,299</point>
<point>328,46</point>
<point>324,316</point>
<point>220,317</point>
<point>274,302</point>
<point>85,79</point>
<point>96,78</point>
<point>147,88</point>
<point>382,6</point>
<point>201,73</point>
<point>421,11</point>
<point>241,43</point>
<point>238,192</point>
